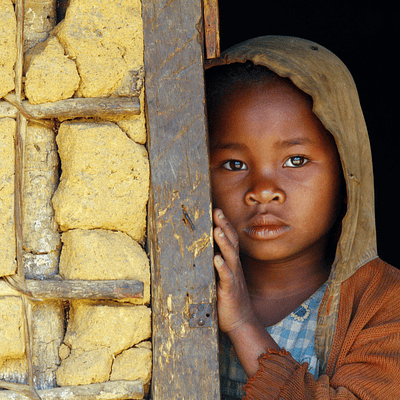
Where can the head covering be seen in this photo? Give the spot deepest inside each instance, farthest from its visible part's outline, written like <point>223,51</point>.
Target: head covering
<point>322,75</point>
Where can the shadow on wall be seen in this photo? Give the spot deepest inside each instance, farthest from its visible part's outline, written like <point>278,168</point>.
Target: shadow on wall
<point>62,6</point>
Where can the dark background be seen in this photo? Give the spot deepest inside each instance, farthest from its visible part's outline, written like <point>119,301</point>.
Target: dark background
<point>364,35</point>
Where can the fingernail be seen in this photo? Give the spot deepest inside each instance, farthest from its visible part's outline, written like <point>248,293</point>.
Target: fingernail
<point>221,232</point>
<point>218,260</point>
<point>220,214</point>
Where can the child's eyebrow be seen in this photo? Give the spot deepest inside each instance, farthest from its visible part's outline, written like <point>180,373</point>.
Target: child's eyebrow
<point>296,141</point>
<point>293,142</point>
<point>227,146</point>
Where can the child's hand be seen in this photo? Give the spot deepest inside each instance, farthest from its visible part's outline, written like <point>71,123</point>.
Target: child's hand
<point>236,316</point>
<point>233,300</point>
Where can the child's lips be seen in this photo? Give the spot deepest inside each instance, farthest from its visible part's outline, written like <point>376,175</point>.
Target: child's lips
<point>266,226</point>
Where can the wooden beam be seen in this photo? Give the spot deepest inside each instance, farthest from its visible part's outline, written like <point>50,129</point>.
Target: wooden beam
<point>72,108</point>
<point>116,390</point>
<point>180,227</point>
<point>80,289</point>
<point>211,29</point>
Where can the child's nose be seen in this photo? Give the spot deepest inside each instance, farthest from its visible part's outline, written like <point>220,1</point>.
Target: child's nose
<point>263,193</point>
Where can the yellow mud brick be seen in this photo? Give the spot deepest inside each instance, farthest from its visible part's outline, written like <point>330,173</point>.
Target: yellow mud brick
<point>94,325</point>
<point>51,76</point>
<point>106,39</point>
<point>89,367</point>
<point>104,181</point>
<point>103,330</point>
<point>11,328</point>
<point>101,255</point>
<point>8,47</point>
<point>132,364</point>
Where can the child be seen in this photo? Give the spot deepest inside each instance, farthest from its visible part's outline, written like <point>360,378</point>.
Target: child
<point>306,307</point>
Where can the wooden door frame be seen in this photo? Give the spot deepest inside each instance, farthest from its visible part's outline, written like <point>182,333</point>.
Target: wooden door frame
<point>185,327</point>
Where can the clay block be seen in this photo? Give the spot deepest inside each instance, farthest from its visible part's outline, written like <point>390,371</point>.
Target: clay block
<point>96,332</point>
<point>7,231</point>
<point>134,127</point>
<point>94,325</point>
<point>12,336</point>
<point>100,255</point>
<point>104,181</point>
<point>132,364</point>
<point>48,67</point>
<point>106,39</point>
<point>90,367</point>
<point>8,47</point>
<point>14,370</point>
<point>40,181</point>
<point>11,328</point>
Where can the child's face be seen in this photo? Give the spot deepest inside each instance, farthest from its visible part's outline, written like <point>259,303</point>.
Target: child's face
<point>275,172</point>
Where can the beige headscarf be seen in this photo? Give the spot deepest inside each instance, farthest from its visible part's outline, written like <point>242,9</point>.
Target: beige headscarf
<point>320,74</point>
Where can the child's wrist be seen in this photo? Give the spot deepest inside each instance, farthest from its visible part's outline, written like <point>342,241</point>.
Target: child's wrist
<point>249,325</point>
<point>250,340</point>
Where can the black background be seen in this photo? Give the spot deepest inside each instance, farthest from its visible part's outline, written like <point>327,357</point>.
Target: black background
<point>364,35</point>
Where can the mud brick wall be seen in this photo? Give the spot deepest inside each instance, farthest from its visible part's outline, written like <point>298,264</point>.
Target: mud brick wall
<point>84,196</point>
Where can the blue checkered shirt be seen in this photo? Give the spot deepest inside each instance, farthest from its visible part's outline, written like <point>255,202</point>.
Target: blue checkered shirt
<point>295,333</point>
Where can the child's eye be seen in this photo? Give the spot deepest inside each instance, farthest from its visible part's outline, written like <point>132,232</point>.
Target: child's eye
<point>295,161</point>
<point>235,165</point>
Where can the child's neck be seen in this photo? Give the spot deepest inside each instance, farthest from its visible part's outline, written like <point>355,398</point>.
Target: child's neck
<point>285,278</point>
<point>277,289</point>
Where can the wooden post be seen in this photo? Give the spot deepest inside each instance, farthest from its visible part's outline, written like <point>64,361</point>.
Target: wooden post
<point>211,28</point>
<point>180,230</point>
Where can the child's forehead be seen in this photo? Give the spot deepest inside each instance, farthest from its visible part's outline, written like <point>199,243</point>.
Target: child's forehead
<point>270,90</point>
<point>226,79</point>
<point>275,95</point>
<point>277,109</point>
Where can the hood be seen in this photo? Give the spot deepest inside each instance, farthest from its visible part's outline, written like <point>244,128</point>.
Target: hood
<point>319,73</point>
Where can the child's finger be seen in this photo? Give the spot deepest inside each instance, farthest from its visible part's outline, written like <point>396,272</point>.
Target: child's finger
<point>225,274</point>
<point>228,250</point>
<point>221,221</point>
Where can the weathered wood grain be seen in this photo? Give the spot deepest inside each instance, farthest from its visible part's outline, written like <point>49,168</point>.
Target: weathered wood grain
<point>81,289</point>
<point>180,228</point>
<point>116,390</point>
